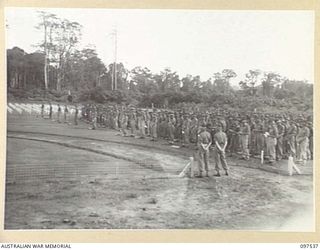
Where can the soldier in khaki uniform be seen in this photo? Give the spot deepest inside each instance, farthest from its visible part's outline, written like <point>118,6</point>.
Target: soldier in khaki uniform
<point>93,116</point>
<point>271,141</point>
<point>204,142</point>
<point>291,139</point>
<point>66,111</point>
<point>141,124</point>
<point>59,113</point>
<point>123,122</point>
<point>50,111</point>
<point>260,139</point>
<point>76,115</point>
<point>303,142</point>
<point>132,121</point>
<point>193,129</point>
<point>186,130</point>
<point>221,141</point>
<point>42,110</point>
<point>171,128</point>
<point>244,139</point>
<point>279,147</point>
<point>154,127</point>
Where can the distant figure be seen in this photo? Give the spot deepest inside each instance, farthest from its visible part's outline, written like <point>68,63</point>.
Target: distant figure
<point>279,146</point>
<point>59,113</point>
<point>141,125</point>
<point>303,142</point>
<point>50,112</point>
<point>291,139</point>
<point>244,139</point>
<point>94,117</point>
<point>42,110</point>
<point>132,121</point>
<point>66,114</point>
<point>271,141</point>
<point>76,115</point>
<point>154,128</point>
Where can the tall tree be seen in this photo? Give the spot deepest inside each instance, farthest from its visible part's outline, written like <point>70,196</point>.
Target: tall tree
<point>60,39</point>
<point>121,74</point>
<point>66,38</point>
<point>84,69</point>
<point>17,68</point>
<point>47,24</point>
<point>227,74</point>
<point>144,80</point>
<point>269,81</point>
<point>250,81</point>
<point>167,80</point>
<point>222,80</point>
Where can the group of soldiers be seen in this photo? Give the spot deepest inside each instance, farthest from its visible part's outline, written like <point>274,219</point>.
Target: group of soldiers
<point>62,113</point>
<point>249,134</point>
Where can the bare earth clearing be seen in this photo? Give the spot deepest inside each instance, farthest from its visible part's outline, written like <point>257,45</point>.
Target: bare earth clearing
<point>98,180</point>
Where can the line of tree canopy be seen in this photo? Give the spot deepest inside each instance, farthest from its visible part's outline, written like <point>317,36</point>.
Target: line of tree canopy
<point>59,66</point>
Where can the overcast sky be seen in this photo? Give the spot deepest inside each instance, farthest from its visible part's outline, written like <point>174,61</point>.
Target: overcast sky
<point>189,42</point>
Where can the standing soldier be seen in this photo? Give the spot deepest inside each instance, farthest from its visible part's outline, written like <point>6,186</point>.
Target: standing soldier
<point>171,128</point>
<point>271,141</point>
<point>221,141</point>
<point>279,147</point>
<point>76,115</point>
<point>160,119</point>
<point>202,119</point>
<point>94,117</point>
<point>291,139</point>
<point>42,110</point>
<point>162,125</point>
<point>111,120</point>
<point>133,122</point>
<point>153,128</point>
<point>286,125</point>
<point>50,111</point>
<point>123,122</point>
<point>223,123</point>
<point>260,139</point>
<point>148,121</point>
<point>59,112</point>
<point>141,125</point>
<point>303,142</point>
<point>311,140</point>
<point>193,129</point>
<point>65,114</point>
<point>204,143</point>
<point>230,135</point>
<point>253,137</point>
<point>186,130</point>
<point>166,126</point>
<point>178,127</point>
<point>244,139</point>
<point>116,119</point>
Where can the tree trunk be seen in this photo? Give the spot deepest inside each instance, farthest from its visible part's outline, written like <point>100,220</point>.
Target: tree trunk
<point>18,80</point>
<point>45,58</point>
<point>25,80</point>
<point>45,74</point>
<point>15,85</point>
<point>58,81</point>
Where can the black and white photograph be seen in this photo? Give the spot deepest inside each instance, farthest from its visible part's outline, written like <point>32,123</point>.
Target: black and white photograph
<point>159,119</point>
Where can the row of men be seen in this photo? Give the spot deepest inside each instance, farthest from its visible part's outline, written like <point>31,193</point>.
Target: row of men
<point>62,113</point>
<point>249,134</point>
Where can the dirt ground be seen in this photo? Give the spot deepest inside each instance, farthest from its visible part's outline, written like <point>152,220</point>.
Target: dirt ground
<point>60,176</point>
